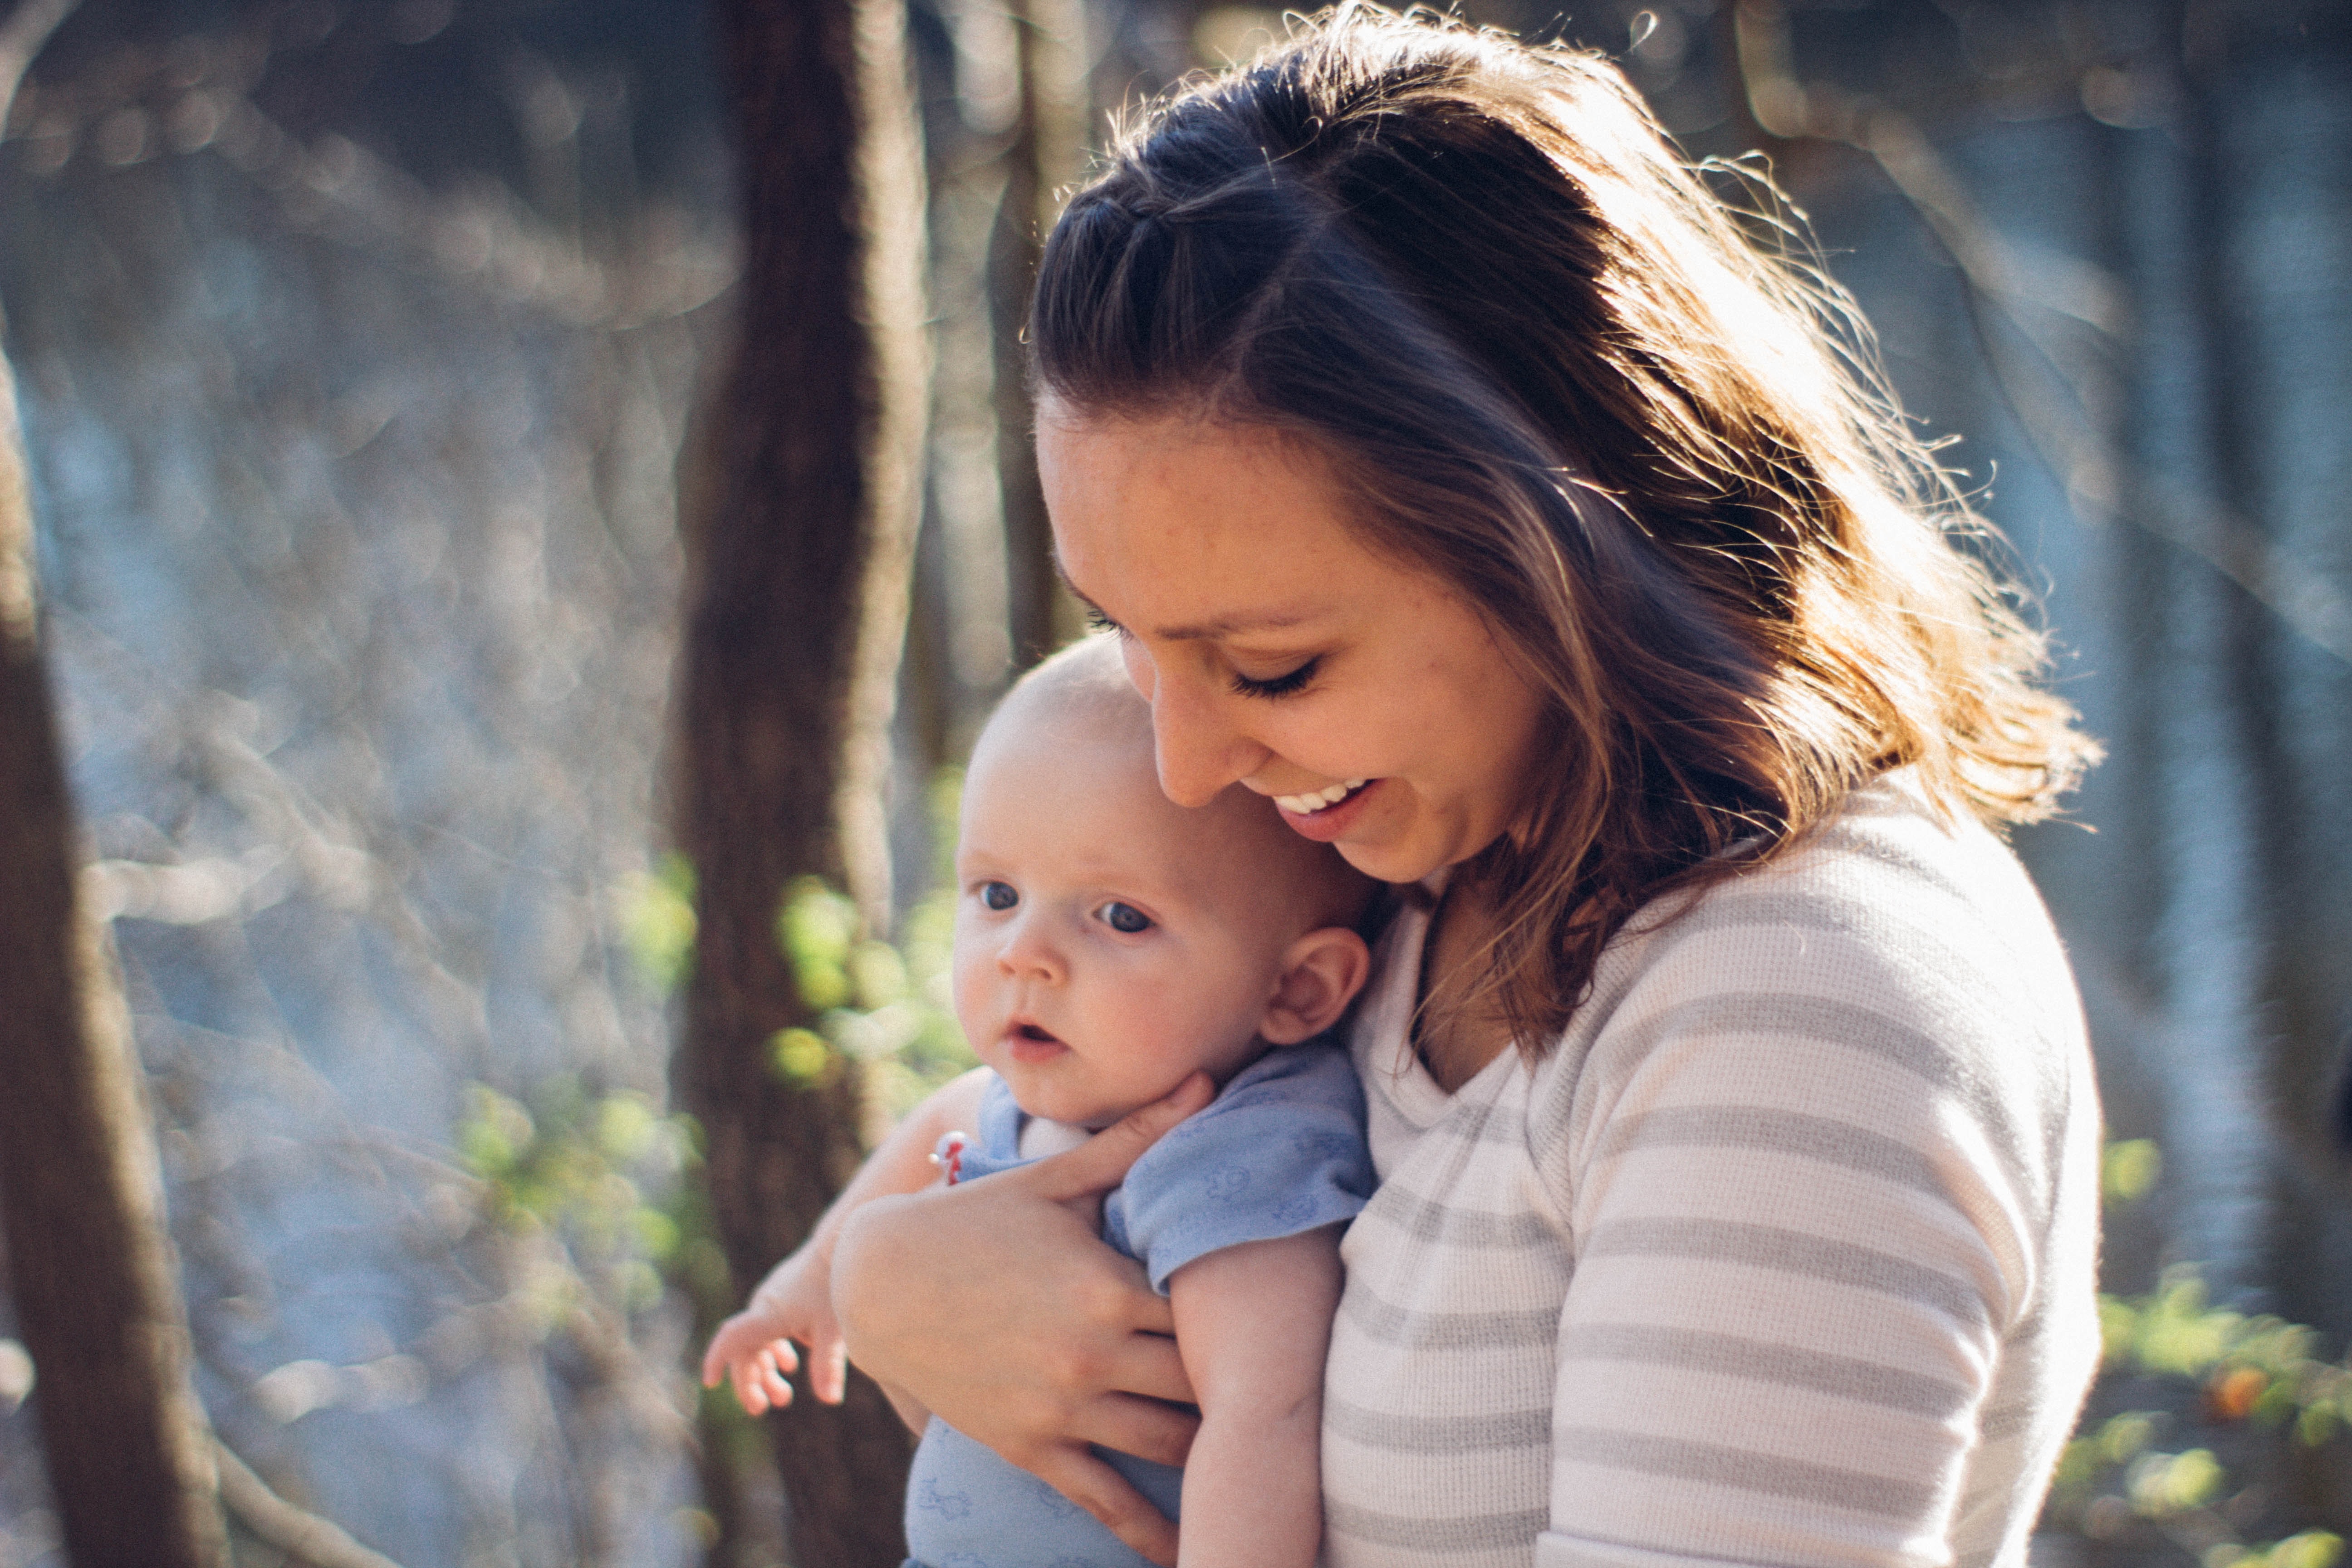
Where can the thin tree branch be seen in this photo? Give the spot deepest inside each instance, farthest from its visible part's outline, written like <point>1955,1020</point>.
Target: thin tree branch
<point>27,28</point>
<point>321,1543</point>
<point>2063,431</point>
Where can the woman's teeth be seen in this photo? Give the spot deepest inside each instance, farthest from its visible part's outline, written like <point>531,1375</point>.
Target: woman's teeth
<point>1307,804</point>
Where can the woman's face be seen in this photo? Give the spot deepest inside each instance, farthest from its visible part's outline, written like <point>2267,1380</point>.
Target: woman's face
<point>1364,696</point>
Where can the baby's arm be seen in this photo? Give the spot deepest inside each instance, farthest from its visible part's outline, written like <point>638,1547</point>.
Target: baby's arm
<point>1254,1323</point>
<point>753,1348</point>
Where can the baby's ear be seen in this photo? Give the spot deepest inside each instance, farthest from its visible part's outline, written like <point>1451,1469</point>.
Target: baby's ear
<point>1320,975</point>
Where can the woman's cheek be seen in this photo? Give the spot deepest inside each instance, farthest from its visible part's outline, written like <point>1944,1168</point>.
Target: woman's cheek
<point>1139,671</point>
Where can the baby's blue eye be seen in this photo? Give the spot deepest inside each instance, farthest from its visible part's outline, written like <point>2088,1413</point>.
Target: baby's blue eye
<point>1124,917</point>
<point>998,895</point>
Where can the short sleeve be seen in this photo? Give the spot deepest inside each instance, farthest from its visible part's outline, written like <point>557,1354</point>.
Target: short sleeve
<point>1280,1152</point>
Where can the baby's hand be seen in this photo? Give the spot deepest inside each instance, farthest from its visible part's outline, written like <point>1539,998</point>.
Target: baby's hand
<point>754,1350</point>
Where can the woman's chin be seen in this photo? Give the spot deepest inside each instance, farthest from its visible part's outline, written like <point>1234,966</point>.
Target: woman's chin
<point>1390,860</point>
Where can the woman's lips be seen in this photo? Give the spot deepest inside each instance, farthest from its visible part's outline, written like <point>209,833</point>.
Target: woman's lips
<point>1328,822</point>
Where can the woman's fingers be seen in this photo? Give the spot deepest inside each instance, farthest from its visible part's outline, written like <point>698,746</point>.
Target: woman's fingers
<point>1104,1493</point>
<point>1100,1163</point>
<point>995,1305</point>
<point>1148,1364</point>
<point>1144,1427</point>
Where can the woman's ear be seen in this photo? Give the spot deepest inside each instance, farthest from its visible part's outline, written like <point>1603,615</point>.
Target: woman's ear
<point>1320,975</point>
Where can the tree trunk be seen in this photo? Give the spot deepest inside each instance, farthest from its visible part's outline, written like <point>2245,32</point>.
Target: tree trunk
<point>1047,155</point>
<point>800,540</point>
<point>129,1454</point>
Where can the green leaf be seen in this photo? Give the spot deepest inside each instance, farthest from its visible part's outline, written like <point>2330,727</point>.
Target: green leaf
<point>2162,1485</point>
<point>2128,1170</point>
<point>658,921</point>
<point>800,1056</point>
<point>816,928</point>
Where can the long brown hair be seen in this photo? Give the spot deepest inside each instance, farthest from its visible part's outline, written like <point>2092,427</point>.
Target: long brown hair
<point>1559,370</point>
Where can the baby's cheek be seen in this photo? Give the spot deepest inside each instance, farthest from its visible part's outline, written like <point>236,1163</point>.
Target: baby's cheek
<point>967,971</point>
<point>1190,1012</point>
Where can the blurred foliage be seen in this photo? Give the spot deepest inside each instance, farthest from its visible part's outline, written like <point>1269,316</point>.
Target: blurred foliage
<point>2128,1170</point>
<point>596,1173</point>
<point>889,1007</point>
<point>2223,1404</point>
<point>604,1173</point>
<point>658,922</point>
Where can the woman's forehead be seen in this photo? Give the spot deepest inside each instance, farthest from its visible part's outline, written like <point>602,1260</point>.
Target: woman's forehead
<point>1163,502</point>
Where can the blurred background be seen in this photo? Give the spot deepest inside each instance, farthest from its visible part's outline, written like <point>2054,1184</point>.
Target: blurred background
<point>366,354</point>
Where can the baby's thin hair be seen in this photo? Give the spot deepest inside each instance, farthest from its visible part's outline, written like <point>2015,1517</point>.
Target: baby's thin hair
<point>1089,677</point>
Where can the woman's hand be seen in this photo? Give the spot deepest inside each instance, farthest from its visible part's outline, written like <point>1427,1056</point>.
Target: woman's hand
<point>996,1303</point>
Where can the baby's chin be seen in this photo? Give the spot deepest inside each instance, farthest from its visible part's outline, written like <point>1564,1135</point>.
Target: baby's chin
<point>1092,1116</point>
<point>1040,1100</point>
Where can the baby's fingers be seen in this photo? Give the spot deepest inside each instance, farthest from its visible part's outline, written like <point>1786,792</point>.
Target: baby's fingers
<point>729,1346</point>
<point>775,1362</point>
<point>828,1368</point>
<point>759,1379</point>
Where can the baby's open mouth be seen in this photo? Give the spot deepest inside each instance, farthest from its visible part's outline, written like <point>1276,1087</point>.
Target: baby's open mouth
<point>1031,1045</point>
<point>1318,800</point>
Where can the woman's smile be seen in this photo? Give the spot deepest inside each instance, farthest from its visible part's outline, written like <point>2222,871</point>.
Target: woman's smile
<point>1319,800</point>
<point>1368,700</point>
<point>1325,820</point>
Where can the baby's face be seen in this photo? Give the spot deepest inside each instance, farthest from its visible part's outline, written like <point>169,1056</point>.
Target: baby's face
<point>1107,943</point>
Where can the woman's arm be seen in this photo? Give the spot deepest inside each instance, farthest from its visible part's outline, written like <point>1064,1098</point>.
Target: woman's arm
<point>754,1348</point>
<point>997,1305</point>
<point>1253,1322</point>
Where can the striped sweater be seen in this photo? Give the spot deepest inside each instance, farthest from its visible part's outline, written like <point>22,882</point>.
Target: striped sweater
<point>1783,1254</point>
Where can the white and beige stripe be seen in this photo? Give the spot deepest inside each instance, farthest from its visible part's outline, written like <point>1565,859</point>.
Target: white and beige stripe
<point>1782,1255</point>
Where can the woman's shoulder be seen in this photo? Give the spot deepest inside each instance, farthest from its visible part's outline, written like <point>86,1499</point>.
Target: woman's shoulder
<point>1888,900</point>
<point>1890,948</point>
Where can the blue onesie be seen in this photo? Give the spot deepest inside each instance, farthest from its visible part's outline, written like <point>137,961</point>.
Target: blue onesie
<point>1279,1151</point>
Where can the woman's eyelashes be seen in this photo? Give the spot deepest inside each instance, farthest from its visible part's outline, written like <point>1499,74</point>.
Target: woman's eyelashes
<point>1124,917</point>
<point>1282,685</point>
<point>1098,622</point>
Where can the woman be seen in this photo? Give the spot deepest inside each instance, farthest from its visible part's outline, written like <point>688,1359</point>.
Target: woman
<point>1461,475</point>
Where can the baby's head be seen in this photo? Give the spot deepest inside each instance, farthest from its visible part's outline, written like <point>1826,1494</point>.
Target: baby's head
<point>1109,942</point>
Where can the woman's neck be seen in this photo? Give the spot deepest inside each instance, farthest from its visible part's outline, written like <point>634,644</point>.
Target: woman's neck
<point>1454,1034</point>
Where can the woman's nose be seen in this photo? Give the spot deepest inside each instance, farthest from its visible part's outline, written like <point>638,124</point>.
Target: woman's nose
<point>1200,751</point>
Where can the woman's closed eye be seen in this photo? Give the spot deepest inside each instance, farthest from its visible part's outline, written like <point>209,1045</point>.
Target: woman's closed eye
<point>1124,917</point>
<point>1282,685</point>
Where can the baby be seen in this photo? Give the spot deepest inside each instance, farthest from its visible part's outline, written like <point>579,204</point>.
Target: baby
<point>1108,944</point>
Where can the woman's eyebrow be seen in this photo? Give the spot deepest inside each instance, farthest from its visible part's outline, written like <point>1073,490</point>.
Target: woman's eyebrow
<point>1221,627</point>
